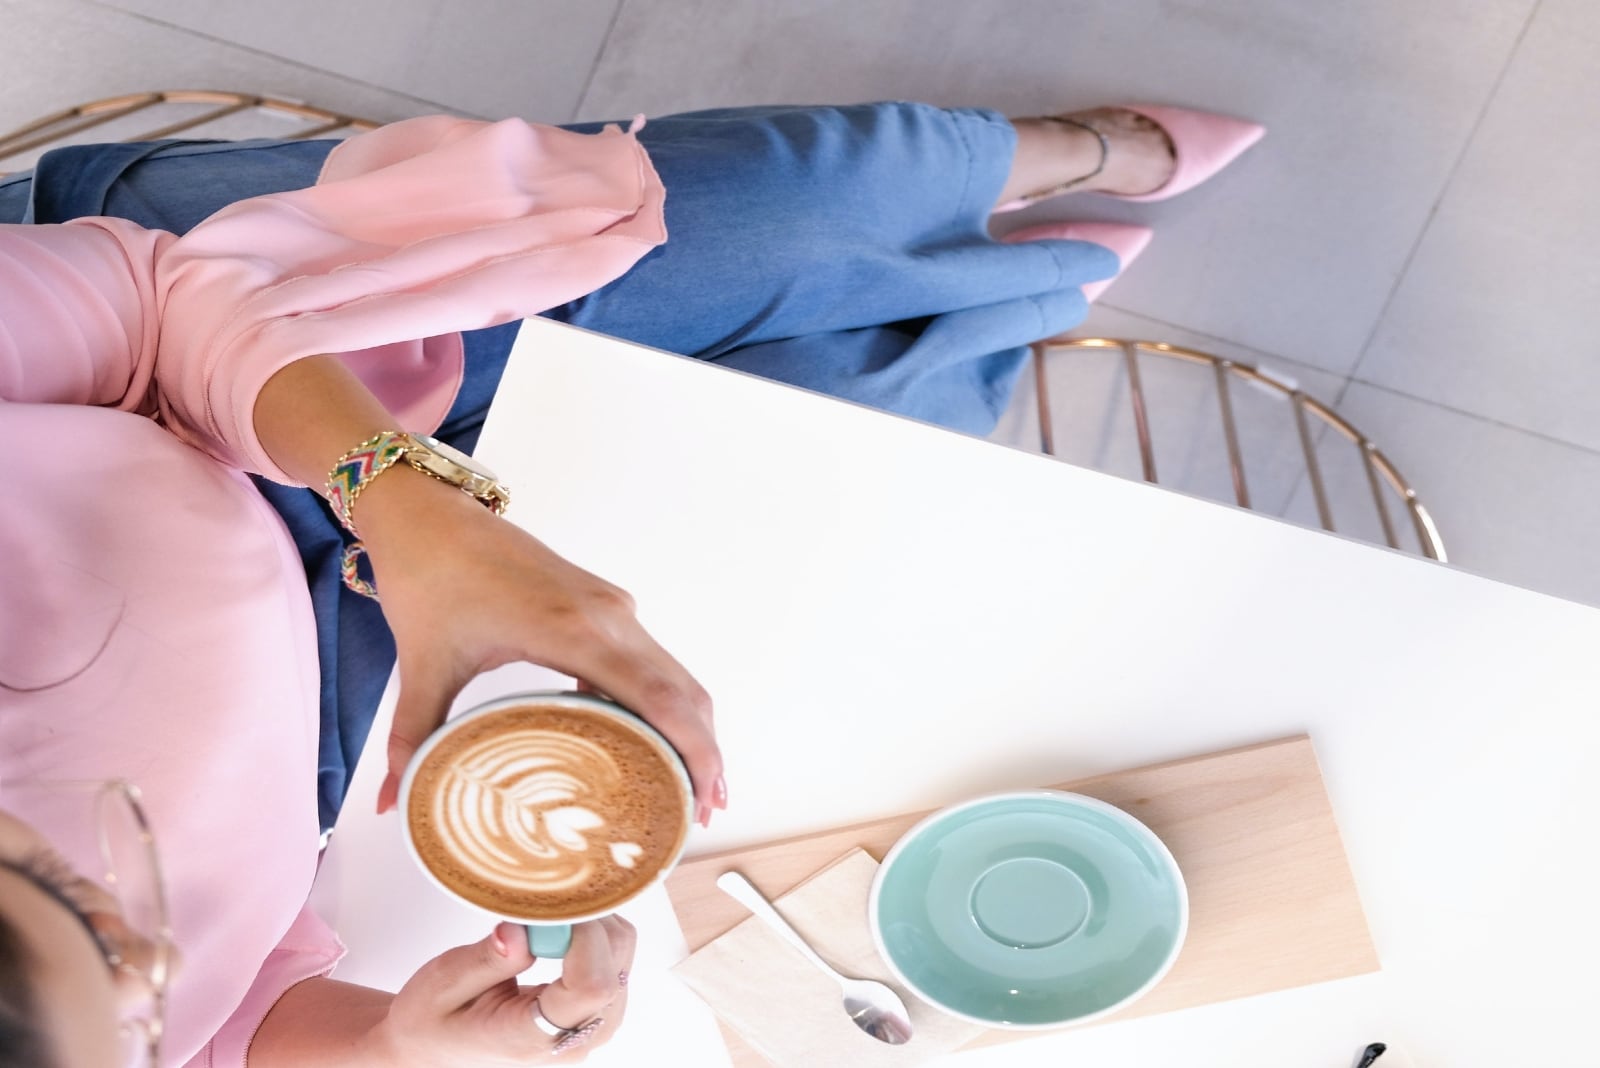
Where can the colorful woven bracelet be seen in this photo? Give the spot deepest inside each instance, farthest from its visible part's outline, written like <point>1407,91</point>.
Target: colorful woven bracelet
<point>347,570</point>
<point>360,466</point>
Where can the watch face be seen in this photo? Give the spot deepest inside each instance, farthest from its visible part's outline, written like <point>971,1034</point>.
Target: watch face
<point>455,456</point>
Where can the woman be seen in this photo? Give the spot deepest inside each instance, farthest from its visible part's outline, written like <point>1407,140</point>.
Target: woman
<point>158,627</point>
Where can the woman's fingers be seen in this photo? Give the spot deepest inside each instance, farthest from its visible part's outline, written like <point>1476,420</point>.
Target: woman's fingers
<point>623,661</point>
<point>622,948</point>
<point>461,975</point>
<point>595,636</point>
<point>591,973</point>
<point>426,692</point>
<point>634,670</point>
<point>506,596</point>
<point>465,1007</point>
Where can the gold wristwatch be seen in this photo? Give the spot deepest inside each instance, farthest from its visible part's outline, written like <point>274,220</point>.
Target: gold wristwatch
<point>433,457</point>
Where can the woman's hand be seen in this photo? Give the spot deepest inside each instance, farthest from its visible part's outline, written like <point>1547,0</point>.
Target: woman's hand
<point>465,1008</point>
<point>462,1009</point>
<point>465,591</point>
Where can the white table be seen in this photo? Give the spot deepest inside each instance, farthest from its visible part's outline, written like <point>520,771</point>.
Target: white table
<point>892,616</point>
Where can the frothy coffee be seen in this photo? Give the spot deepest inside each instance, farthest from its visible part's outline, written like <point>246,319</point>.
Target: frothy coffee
<point>544,812</point>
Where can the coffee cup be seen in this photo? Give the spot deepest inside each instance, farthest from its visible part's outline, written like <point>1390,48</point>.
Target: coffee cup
<point>546,809</point>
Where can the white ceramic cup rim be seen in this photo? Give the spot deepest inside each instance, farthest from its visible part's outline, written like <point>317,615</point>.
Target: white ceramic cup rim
<point>1092,803</point>
<point>562,699</point>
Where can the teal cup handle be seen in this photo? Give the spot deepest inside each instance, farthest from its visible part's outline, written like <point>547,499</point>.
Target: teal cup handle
<point>549,941</point>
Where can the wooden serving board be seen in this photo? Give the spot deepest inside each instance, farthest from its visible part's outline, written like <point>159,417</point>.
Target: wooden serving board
<point>1271,898</point>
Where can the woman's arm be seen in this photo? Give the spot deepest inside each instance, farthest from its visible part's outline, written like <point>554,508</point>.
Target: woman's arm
<point>322,1023</point>
<point>416,231</point>
<point>413,233</point>
<point>465,591</point>
<point>463,1009</point>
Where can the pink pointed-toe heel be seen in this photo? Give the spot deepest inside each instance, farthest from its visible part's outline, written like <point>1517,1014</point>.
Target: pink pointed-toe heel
<point>1202,144</point>
<point>1126,241</point>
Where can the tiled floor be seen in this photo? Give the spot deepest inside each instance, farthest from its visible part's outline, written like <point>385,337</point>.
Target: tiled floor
<point>1412,240</point>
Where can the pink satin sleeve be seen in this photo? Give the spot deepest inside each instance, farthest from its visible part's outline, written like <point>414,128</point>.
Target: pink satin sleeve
<point>79,318</point>
<point>413,233</point>
<point>309,949</point>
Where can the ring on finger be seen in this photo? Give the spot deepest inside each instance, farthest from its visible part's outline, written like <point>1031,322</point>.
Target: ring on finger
<point>566,1037</point>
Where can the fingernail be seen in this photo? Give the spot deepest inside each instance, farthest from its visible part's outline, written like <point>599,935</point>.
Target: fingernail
<point>702,814</point>
<point>719,792</point>
<point>388,793</point>
<point>499,943</point>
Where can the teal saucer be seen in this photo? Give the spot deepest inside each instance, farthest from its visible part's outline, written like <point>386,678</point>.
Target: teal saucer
<point>1029,910</point>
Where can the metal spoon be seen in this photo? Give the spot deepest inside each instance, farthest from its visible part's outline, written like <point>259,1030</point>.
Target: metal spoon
<point>873,1007</point>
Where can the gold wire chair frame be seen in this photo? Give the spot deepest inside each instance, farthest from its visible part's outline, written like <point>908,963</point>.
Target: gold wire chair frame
<point>75,120</point>
<point>1379,470</point>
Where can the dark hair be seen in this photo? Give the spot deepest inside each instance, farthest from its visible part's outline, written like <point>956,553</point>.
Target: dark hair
<point>23,1043</point>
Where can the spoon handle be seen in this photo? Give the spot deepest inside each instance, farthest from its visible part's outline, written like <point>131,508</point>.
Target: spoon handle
<point>738,887</point>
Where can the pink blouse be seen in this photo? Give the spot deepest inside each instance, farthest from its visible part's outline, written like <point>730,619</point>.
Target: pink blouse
<point>154,618</point>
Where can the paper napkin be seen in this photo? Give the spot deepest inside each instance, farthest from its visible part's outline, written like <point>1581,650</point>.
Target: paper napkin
<point>790,1012</point>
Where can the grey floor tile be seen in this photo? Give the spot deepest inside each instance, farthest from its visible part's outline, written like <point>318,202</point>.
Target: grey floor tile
<point>1294,251</point>
<point>1093,424</point>
<point>1364,499</point>
<point>1509,505</point>
<point>59,53</point>
<point>491,58</point>
<point>1497,314</point>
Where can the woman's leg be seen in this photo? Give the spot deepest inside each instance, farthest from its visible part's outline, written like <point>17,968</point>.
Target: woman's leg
<point>1051,153</point>
<point>817,246</point>
<point>169,185</point>
<point>785,222</point>
<point>846,250</point>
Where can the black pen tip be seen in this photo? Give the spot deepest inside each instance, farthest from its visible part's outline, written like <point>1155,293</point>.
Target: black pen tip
<point>1370,1054</point>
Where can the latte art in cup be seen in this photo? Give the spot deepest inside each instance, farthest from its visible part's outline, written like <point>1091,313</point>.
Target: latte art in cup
<point>547,813</point>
